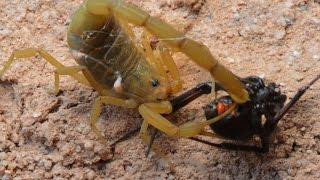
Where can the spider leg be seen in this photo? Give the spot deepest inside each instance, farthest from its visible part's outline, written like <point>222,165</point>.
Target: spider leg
<point>270,125</point>
<point>192,94</point>
<point>230,146</point>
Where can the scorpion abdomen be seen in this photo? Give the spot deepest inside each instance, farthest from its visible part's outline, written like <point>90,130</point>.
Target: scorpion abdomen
<point>104,48</point>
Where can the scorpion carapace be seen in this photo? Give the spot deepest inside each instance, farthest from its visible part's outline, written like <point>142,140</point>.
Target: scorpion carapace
<point>109,53</point>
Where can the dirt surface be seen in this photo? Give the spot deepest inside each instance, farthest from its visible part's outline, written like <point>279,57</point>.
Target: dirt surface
<point>48,136</point>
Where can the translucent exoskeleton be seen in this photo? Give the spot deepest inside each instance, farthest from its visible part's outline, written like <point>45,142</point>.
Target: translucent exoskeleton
<point>102,42</point>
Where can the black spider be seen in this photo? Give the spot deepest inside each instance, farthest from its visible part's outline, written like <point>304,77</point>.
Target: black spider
<point>246,120</point>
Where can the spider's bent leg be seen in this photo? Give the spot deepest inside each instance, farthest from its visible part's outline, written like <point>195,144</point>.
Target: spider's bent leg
<point>294,99</point>
<point>97,109</point>
<point>32,52</point>
<point>265,144</point>
<point>230,146</point>
<point>192,94</point>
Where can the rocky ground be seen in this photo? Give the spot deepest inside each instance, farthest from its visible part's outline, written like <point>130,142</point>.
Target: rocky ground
<point>48,136</point>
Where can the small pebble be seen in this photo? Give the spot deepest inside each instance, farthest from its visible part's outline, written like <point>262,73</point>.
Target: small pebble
<point>6,177</point>
<point>316,57</point>
<point>284,22</point>
<point>83,129</point>
<point>272,68</point>
<point>279,34</point>
<point>5,32</point>
<point>20,14</point>
<point>31,167</point>
<point>292,172</point>
<point>48,175</point>
<point>36,114</point>
<point>78,149</point>
<point>303,7</point>
<point>236,16</point>
<point>262,76</point>
<point>2,171</point>
<point>15,137</point>
<point>4,163</point>
<point>297,76</point>
<point>296,54</point>
<point>33,6</point>
<point>91,175</point>
<point>88,145</point>
<point>3,155</point>
<point>47,165</point>
<point>68,160</point>
<point>103,153</point>
<point>66,149</point>
<point>230,60</point>
<point>315,21</point>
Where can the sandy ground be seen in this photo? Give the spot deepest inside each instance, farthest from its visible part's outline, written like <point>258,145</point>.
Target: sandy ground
<point>48,136</point>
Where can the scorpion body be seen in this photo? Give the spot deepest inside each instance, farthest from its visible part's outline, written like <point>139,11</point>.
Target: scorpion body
<point>108,52</point>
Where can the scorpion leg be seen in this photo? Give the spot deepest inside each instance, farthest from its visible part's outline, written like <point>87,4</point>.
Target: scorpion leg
<point>97,109</point>
<point>71,71</point>
<point>32,52</point>
<point>167,59</point>
<point>88,79</point>
<point>128,30</point>
<point>153,58</point>
<point>151,112</point>
<point>145,41</point>
<point>159,58</point>
<point>196,51</point>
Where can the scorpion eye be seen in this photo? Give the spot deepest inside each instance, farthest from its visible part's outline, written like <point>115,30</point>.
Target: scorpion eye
<point>155,83</point>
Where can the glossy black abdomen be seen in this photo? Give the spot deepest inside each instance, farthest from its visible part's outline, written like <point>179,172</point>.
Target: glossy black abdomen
<point>239,125</point>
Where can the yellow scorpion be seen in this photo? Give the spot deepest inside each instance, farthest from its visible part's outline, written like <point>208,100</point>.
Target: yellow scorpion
<point>102,41</point>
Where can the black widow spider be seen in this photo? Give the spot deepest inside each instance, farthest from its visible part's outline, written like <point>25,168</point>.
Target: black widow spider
<point>246,120</point>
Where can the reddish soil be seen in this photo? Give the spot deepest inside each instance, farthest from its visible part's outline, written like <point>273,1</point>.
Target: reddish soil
<point>48,136</point>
